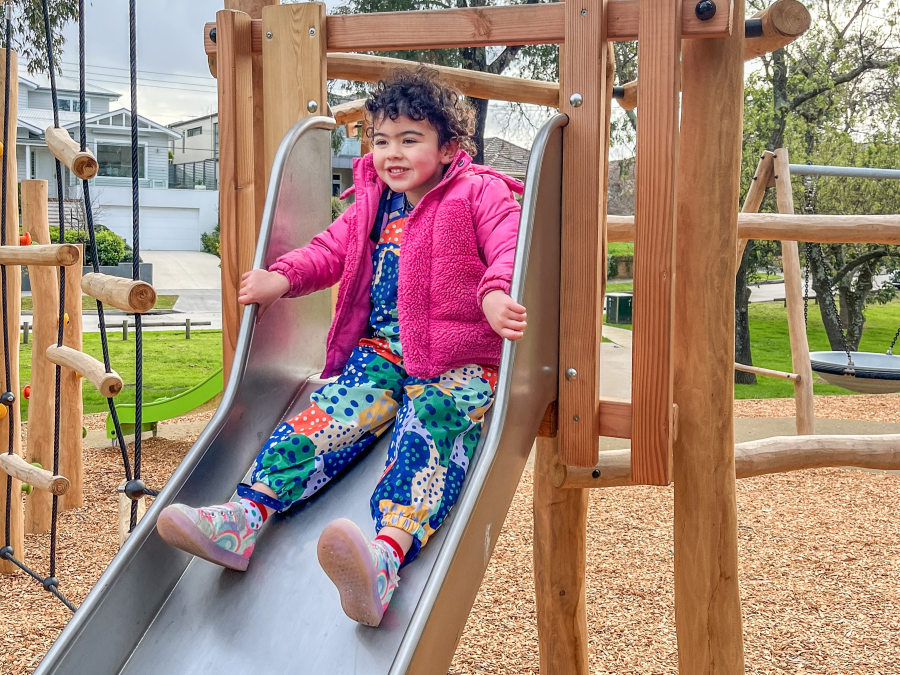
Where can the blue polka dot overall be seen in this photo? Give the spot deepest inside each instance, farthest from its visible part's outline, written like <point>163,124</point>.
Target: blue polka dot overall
<point>438,420</point>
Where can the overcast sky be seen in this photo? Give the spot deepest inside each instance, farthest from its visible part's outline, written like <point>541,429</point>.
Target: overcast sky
<point>173,77</point>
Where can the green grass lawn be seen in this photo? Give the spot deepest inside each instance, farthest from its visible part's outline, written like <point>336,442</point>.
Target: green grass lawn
<point>771,344</point>
<point>171,364</point>
<point>768,277</point>
<point>625,287</point>
<point>620,248</point>
<point>88,303</point>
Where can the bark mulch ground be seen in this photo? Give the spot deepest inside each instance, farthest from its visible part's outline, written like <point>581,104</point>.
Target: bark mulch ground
<point>820,563</point>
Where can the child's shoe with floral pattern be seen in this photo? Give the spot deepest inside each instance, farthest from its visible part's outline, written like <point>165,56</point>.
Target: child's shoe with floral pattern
<point>219,534</point>
<point>364,572</point>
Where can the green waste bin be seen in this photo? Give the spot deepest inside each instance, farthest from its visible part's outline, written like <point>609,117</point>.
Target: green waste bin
<point>618,308</point>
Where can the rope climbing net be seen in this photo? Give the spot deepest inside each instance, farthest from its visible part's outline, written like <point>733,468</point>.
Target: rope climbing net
<point>135,488</point>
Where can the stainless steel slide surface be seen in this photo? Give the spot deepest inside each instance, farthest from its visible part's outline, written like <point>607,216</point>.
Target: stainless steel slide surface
<point>158,610</point>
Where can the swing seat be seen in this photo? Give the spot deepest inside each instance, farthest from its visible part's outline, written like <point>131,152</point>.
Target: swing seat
<point>871,373</point>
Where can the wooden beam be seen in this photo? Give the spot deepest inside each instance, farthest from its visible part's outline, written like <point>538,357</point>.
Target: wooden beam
<point>367,68</point>
<point>584,180</point>
<point>45,294</point>
<point>615,417</point>
<point>793,298</point>
<point>13,290</point>
<point>126,294</point>
<point>765,372</point>
<point>71,449</point>
<point>659,63</point>
<point>779,454</point>
<point>485,26</point>
<point>560,550</point>
<point>42,479</point>
<point>755,194</point>
<point>54,255</point>
<point>782,23</point>
<point>707,598</point>
<point>237,170</point>
<point>777,226</point>
<point>108,384</point>
<point>80,162</point>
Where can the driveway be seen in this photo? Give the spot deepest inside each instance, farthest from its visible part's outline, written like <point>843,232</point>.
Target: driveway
<point>184,270</point>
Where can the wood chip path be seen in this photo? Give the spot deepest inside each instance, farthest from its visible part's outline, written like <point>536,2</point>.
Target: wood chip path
<point>820,563</point>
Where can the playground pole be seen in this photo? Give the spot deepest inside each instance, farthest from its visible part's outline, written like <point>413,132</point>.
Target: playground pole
<point>707,601</point>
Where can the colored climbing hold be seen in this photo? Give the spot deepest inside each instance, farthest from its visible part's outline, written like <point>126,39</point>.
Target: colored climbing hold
<point>26,392</point>
<point>84,432</point>
<point>25,239</point>
<point>3,411</point>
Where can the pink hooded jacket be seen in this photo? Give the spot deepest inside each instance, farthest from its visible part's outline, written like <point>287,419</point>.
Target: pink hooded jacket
<point>459,244</point>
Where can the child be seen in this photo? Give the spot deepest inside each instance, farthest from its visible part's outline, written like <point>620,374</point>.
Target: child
<point>424,257</point>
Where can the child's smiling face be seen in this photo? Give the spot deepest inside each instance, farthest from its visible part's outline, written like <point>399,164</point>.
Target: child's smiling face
<point>408,156</point>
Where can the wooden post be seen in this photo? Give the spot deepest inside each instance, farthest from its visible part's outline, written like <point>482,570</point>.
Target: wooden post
<point>294,64</point>
<point>14,305</point>
<point>583,97</point>
<point>756,193</point>
<point>659,69</point>
<point>237,206</point>
<point>260,169</point>
<point>71,460</point>
<point>45,296</point>
<point>707,600</point>
<point>793,298</point>
<point>560,551</point>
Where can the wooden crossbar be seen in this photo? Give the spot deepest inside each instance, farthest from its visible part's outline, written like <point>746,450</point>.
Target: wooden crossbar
<point>765,372</point>
<point>80,162</point>
<point>124,294</point>
<point>108,384</point>
<point>483,26</point>
<point>785,227</point>
<point>54,255</point>
<point>42,479</point>
<point>779,454</point>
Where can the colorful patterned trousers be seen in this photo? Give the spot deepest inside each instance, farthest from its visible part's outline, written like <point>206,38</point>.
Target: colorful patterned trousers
<point>438,424</point>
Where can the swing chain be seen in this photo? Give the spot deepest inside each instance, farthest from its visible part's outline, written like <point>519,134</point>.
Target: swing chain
<point>890,351</point>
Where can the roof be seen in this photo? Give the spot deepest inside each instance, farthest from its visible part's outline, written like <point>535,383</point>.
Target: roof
<point>67,85</point>
<point>37,120</point>
<point>193,120</point>
<point>506,157</point>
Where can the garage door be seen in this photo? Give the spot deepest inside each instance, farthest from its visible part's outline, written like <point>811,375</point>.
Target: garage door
<point>162,228</point>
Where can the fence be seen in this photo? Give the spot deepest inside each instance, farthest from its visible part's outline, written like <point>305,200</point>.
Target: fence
<point>190,175</point>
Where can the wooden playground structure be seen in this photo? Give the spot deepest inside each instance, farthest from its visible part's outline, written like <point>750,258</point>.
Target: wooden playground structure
<point>57,353</point>
<point>272,63</point>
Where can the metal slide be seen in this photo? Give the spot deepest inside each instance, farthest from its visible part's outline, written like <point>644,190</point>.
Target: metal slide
<point>159,610</point>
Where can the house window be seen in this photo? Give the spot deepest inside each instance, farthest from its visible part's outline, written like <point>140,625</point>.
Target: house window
<point>215,140</point>
<point>115,160</point>
<point>196,131</point>
<point>335,185</point>
<point>71,105</point>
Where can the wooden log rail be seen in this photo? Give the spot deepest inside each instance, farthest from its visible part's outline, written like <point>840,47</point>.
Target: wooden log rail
<point>54,255</point>
<point>108,384</point>
<point>482,26</point>
<point>765,372</point>
<point>124,294</point>
<point>772,28</point>
<point>783,227</point>
<point>779,454</point>
<point>42,479</point>
<point>80,162</point>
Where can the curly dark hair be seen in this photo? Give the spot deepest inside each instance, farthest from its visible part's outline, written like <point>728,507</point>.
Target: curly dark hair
<point>418,93</point>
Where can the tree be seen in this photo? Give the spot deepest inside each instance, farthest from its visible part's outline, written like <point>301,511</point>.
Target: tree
<point>538,62</point>
<point>29,36</point>
<point>831,97</point>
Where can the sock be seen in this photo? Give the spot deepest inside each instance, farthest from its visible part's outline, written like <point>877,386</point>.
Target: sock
<point>392,547</point>
<point>254,512</point>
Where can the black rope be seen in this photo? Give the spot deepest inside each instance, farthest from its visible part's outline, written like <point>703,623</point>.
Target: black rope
<point>50,583</point>
<point>135,252</point>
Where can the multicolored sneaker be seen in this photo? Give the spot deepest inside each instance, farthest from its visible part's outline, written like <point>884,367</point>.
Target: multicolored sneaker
<point>219,534</point>
<point>364,572</point>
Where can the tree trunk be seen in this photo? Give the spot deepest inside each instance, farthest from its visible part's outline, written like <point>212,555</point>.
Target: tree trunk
<point>821,283</point>
<point>742,352</point>
<point>481,113</point>
<point>854,299</point>
<point>780,95</point>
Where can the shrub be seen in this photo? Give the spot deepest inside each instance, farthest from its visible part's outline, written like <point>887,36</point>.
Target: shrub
<point>110,246</point>
<point>211,241</point>
<point>337,208</point>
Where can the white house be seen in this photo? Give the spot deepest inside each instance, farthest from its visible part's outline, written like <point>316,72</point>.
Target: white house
<point>170,219</point>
